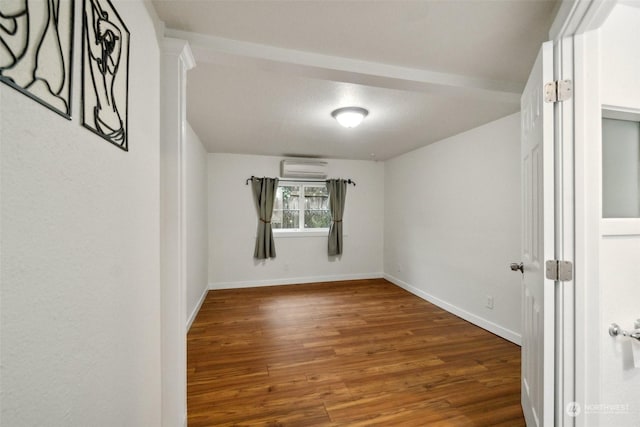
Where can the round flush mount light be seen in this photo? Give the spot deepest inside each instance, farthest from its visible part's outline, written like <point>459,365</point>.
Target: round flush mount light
<point>350,117</point>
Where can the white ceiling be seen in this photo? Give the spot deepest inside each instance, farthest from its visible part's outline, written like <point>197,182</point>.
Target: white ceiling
<point>269,73</point>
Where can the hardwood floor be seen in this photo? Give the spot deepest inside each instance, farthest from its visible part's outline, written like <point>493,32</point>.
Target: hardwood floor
<point>355,353</point>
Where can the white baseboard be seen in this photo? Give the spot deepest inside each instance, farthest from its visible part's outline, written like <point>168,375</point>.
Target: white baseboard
<point>195,311</point>
<point>293,281</point>
<point>470,317</point>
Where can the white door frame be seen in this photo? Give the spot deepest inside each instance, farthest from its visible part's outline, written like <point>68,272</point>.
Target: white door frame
<point>176,59</point>
<point>573,320</point>
<point>564,231</point>
<point>587,123</point>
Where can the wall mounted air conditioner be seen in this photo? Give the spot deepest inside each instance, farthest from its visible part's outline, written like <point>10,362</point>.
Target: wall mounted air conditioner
<point>304,168</point>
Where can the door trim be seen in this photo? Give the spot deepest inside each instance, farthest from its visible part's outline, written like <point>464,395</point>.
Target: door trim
<point>176,59</point>
<point>573,310</point>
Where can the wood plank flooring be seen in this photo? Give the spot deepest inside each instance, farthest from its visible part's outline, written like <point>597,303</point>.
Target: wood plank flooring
<point>355,353</point>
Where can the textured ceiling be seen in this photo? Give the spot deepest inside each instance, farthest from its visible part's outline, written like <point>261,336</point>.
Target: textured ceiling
<point>294,114</point>
<point>269,73</point>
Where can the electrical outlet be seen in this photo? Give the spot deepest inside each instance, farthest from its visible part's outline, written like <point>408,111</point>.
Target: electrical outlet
<point>490,302</point>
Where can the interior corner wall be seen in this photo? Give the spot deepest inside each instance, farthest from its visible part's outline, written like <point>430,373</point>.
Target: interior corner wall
<point>197,236</point>
<point>79,249</point>
<point>452,224</point>
<point>233,223</point>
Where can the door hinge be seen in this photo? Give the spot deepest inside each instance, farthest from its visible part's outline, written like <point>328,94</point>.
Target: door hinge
<point>559,90</point>
<point>559,270</point>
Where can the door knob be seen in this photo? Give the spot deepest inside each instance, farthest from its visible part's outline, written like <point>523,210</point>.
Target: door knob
<point>515,267</point>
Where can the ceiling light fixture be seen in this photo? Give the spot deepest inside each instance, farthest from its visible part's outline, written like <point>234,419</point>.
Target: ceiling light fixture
<point>350,117</point>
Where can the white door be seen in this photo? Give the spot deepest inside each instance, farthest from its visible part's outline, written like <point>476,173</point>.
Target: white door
<point>537,163</point>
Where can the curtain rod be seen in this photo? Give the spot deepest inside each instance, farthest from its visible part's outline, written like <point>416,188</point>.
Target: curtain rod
<point>349,181</point>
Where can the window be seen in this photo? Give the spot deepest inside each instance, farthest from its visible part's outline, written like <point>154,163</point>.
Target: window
<point>620,167</point>
<point>301,207</point>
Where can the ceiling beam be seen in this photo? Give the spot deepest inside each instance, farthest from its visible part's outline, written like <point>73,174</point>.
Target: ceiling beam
<point>218,50</point>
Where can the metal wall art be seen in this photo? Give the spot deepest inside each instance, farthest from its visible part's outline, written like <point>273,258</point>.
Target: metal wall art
<point>105,72</point>
<point>36,47</point>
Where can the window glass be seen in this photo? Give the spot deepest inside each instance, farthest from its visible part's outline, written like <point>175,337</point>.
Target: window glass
<point>286,212</point>
<point>301,201</point>
<point>316,209</point>
<point>620,168</point>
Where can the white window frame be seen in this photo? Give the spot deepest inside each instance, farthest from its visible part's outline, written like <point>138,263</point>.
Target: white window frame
<point>301,231</point>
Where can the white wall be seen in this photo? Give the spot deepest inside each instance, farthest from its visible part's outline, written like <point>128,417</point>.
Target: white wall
<point>233,223</point>
<point>452,224</point>
<point>197,223</point>
<point>612,289</point>
<point>80,295</point>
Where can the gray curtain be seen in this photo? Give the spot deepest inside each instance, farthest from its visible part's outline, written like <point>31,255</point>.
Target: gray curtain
<point>264,194</point>
<point>337,189</point>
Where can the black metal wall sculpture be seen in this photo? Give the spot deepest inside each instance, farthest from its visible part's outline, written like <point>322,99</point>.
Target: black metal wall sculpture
<point>105,72</point>
<point>36,48</point>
